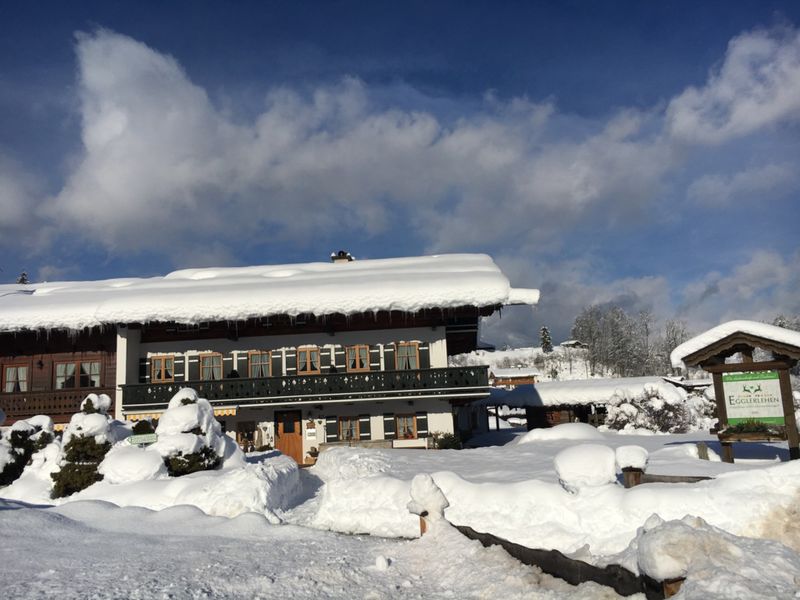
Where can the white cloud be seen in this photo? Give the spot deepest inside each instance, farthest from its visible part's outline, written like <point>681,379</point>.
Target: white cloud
<point>17,195</point>
<point>752,185</point>
<point>756,86</point>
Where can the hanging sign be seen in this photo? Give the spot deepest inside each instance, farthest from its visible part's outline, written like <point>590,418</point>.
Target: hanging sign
<point>753,396</point>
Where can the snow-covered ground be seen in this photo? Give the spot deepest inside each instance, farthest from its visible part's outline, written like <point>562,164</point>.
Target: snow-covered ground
<point>276,527</point>
<point>564,363</point>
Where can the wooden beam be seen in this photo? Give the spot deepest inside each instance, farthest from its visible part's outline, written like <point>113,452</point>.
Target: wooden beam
<point>768,365</point>
<point>792,436</point>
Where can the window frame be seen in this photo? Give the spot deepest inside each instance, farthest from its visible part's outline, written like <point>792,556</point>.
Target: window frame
<point>356,369</point>
<point>77,374</point>
<point>203,355</point>
<point>413,418</point>
<point>162,379</point>
<point>397,347</point>
<point>250,355</point>
<point>306,350</point>
<point>27,380</point>
<point>356,429</point>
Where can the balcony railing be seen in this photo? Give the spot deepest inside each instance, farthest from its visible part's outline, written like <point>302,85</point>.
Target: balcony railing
<point>58,404</point>
<point>374,385</point>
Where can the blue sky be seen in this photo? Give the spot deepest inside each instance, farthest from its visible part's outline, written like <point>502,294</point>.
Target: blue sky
<point>639,153</point>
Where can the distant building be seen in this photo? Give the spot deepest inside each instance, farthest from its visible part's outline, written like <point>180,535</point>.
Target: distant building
<point>509,378</point>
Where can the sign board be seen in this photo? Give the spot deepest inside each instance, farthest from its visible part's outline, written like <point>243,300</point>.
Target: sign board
<point>753,396</point>
<point>143,438</point>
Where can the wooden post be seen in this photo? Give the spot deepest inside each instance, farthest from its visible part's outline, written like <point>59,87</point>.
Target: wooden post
<point>792,436</point>
<point>672,586</point>
<point>727,451</point>
<point>423,526</point>
<point>702,450</point>
<point>632,477</point>
<point>722,415</point>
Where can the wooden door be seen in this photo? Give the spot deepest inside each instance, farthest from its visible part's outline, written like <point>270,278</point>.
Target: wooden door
<point>289,435</point>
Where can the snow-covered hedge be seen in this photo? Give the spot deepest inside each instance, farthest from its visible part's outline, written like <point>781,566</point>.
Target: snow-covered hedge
<point>654,410</point>
<point>19,442</point>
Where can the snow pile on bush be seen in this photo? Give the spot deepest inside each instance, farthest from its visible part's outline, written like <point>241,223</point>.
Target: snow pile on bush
<point>654,409</point>
<point>190,439</point>
<point>715,563</point>
<point>565,431</point>
<point>126,463</point>
<point>87,439</point>
<point>585,466</point>
<point>18,444</point>
<point>632,457</point>
<point>427,500</point>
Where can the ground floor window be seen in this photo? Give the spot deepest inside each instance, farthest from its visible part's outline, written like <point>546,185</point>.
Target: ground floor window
<point>406,427</point>
<point>15,378</point>
<point>348,428</point>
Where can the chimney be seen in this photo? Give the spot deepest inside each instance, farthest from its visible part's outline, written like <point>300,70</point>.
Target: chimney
<point>341,256</point>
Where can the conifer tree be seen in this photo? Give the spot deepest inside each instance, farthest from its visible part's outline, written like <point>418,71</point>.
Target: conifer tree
<point>545,340</point>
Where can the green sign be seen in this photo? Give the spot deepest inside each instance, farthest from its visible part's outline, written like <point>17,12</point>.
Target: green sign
<point>753,396</point>
<point>143,438</point>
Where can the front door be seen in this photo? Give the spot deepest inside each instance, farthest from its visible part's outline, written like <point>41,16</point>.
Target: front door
<point>288,434</point>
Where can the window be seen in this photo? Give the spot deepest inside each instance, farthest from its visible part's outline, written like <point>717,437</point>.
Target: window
<point>407,355</point>
<point>210,367</point>
<point>358,358</point>
<point>162,369</point>
<point>307,361</point>
<point>16,379</point>
<point>259,364</point>
<point>406,427</point>
<point>348,428</point>
<point>82,374</point>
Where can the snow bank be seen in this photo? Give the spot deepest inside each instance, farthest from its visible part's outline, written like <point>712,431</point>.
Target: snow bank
<point>229,294</point>
<point>124,464</point>
<point>585,465</point>
<point>564,431</point>
<point>631,457</point>
<point>715,334</point>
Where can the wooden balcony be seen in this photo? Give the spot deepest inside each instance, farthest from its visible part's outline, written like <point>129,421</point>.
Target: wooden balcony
<point>455,382</point>
<point>60,405</point>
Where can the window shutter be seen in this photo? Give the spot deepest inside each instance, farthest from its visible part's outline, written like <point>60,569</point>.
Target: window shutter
<point>389,429</point>
<point>388,357</point>
<point>422,424</point>
<point>331,429</point>
<point>277,367</point>
<point>180,368</point>
<point>144,370</point>
<point>193,364</point>
<point>242,366</point>
<point>291,362</point>
<point>363,428</point>
<point>424,356</point>
<point>340,359</point>
<point>324,359</point>
<point>374,359</point>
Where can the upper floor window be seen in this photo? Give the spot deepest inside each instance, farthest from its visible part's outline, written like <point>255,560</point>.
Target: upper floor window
<point>407,355</point>
<point>163,369</point>
<point>308,361</point>
<point>15,378</point>
<point>259,364</point>
<point>358,358</point>
<point>78,374</point>
<point>210,366</point>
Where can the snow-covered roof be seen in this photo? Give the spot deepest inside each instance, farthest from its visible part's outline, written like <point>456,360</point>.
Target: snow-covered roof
<point>715,334</point>
<point>582,391</point>
<point>514,372</point>
<point>238,293</point>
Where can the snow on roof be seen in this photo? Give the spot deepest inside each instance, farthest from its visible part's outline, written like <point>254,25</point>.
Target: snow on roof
<point>715,334</point>
<point>514,372</point>
<point>238,293</point>
<point>582,391</point>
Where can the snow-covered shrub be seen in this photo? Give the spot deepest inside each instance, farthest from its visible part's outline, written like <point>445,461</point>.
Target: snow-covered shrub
<point>19,442</point>
<point>446,441</point>
<point>632,457</point>
<point>585,465</point>
<point>190,439</point>
<point>87,439</point>
<point>654,408</point>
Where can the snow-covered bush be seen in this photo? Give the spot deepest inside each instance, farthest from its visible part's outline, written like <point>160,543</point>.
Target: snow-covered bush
<point>190,439</point>
<point>87,439</point>
<point>19,442</point>
<point>653,408</point>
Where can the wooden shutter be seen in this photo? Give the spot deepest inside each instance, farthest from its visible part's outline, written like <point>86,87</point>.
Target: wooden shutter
<point>179,368</point>
<point>374,358</point>
<point>291,362</point>
<point>277,366</point>
<point>363,428</point>
<point>340,359</point>
<point>242,365</point>
<point>331,429</point>
<point>193,364</point>
<point>424,356</point>
<point>388,358</point>
<point>144,370</point>
<point>389,427</point>
<point>422,424</point>
<point>324,359</point>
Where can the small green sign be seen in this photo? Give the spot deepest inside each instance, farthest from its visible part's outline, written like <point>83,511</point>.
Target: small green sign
<point>753,396</point>
<point>143,438</point>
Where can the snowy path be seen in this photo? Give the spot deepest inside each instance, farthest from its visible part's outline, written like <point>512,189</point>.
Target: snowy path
<point>96,550</point>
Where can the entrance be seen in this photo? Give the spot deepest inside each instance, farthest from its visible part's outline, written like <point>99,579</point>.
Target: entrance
<point>288,434</point>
